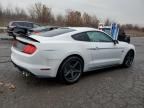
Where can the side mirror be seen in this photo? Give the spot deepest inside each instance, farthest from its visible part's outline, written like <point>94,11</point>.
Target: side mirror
<point>115,41</point>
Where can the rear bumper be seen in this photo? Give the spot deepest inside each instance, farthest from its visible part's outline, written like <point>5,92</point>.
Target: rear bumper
<point>21,69</point>
<point>36,70</point>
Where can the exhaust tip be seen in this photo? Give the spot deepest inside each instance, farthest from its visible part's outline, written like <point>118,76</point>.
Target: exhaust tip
<point>26,74</point>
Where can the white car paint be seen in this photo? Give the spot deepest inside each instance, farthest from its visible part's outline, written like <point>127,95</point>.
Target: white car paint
<point>51,51</point>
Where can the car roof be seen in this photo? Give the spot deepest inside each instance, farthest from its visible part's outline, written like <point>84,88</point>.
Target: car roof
<point>67,30</point>
<point>83,29</point>
<point>21,21</point>
<point>63,36</point>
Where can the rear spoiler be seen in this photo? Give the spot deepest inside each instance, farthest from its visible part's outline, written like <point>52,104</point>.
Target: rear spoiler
<point>21,29</point>
<point>25,36</point>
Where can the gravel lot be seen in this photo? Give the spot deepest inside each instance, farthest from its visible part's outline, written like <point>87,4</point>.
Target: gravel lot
<point>110,88</point>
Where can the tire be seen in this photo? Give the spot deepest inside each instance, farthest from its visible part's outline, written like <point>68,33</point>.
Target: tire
<point>70,70</point>
<point>128,60</point>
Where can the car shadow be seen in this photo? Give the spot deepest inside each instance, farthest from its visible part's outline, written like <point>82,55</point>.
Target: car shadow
<point>102,71</point>
<point>35,81</point>
<point>53,82</point>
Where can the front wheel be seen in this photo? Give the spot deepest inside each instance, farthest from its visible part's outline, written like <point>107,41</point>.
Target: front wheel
<point>71,70</point>
<point>128,59</point>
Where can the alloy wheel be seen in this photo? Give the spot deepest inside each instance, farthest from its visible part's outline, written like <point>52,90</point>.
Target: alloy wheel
<point>129,59</point>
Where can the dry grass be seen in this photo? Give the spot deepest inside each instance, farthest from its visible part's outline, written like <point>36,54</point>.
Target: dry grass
<point>135,33</point>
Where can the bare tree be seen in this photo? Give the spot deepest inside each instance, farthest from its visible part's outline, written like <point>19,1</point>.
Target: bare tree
<point>41,13</point>
<point>142,29</point>
<point>20,13</point>
<point>94,22</point>
<point>90,21</point>
<point>136,27</point>
<point>107,22</point>
<point>8,12</point>
<point>60,20</point>
<point>73,18</point>
<point>1,11</point>
<point>86,19</point>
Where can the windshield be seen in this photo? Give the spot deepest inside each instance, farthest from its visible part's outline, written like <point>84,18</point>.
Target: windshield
<point>107,30</point>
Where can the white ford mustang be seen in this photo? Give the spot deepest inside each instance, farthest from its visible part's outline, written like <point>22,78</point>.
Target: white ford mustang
<point>68,52</point>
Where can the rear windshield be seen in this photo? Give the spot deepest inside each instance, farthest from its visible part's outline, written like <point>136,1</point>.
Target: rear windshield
<point>56,32</point>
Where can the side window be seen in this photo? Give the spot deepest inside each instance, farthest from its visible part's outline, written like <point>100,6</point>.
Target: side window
<point>35,26</point>
<point>13,24</point>
<point>98,37</point>
<point>28,25</point>
<point>20,23</point>
<point>93,36</point>
<point>81,37</point>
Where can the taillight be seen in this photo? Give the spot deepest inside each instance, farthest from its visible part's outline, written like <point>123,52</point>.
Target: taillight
<point>29,49</point>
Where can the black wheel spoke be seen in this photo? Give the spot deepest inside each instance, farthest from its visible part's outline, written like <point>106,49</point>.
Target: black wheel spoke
<point>72,75</point>
<point>126,62</point>
<point>72,70</point>
<point>75,65</point>
<point>76,71</point>
<point>129,59</point>
<point>67,73</point>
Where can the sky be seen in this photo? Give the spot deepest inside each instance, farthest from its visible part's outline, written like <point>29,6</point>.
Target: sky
<point>121,11</point>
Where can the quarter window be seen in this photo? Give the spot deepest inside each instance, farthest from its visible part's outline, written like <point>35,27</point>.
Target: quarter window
<point>81,37</point>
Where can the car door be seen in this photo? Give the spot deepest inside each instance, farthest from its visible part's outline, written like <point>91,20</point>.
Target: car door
<point>86,47</point>
<point>104,51</point>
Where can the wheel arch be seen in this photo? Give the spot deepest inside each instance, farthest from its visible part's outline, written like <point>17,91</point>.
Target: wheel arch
<point>77,55</point>
<point>127,53</point>
<point>132,51</point>
<point>72,55</point>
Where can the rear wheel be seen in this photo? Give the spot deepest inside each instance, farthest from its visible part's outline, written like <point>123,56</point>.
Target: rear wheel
<point>128,61</point>
<point>71,70</point>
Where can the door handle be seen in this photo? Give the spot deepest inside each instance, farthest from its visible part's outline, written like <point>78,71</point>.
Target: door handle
<point>97,48</point>
<point>92,48</point>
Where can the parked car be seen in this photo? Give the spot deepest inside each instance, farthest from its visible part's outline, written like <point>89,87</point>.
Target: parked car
<point>21,24</point>
<point>28,31</point>
<point>66,53</point>
<point>121,35</point>
<point>42,29</point>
